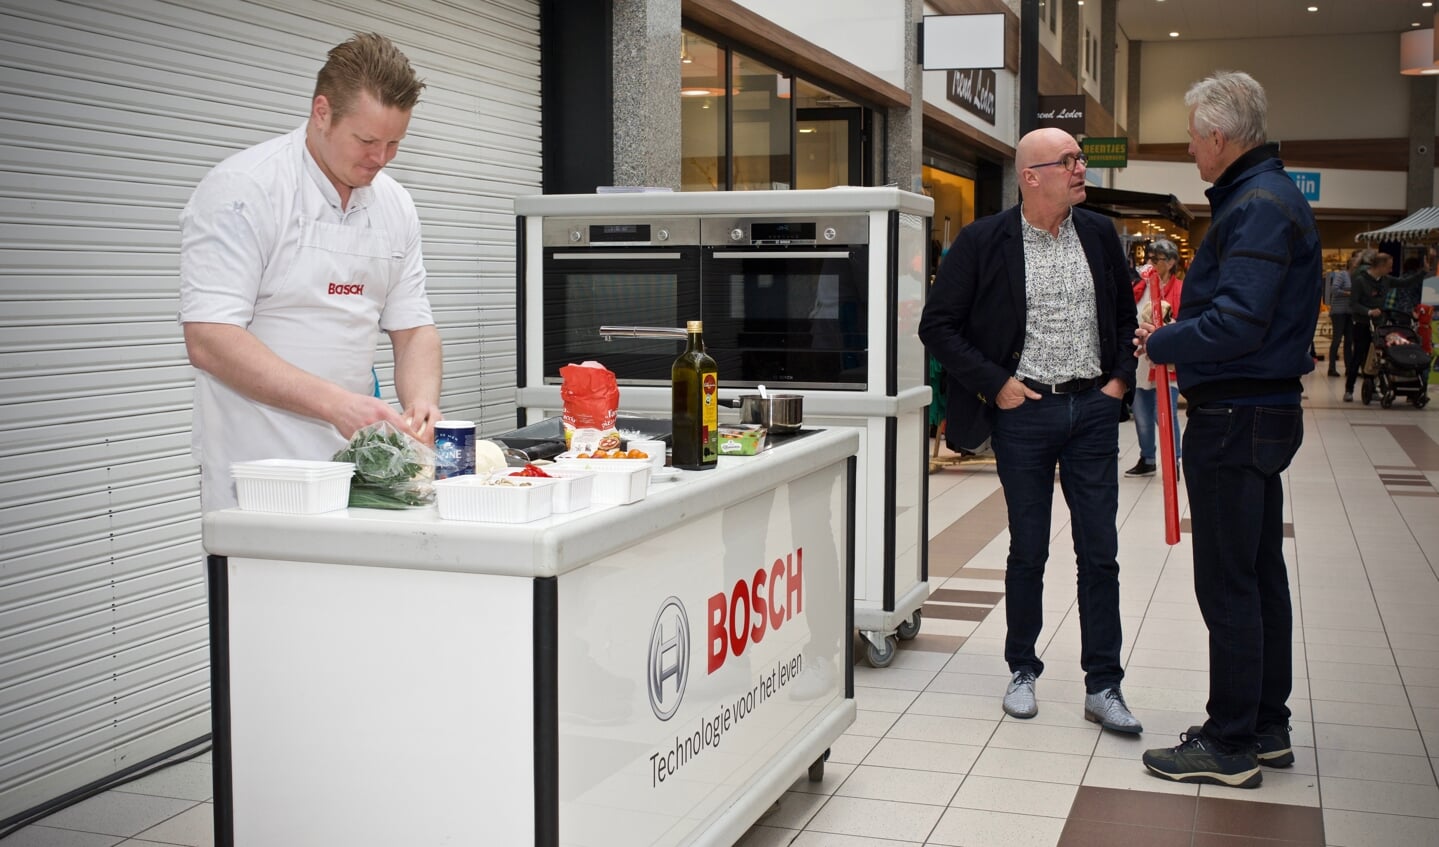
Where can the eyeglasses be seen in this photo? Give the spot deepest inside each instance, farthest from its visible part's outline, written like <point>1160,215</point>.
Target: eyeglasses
<point>1154,257</point>
<point>1070,162</point>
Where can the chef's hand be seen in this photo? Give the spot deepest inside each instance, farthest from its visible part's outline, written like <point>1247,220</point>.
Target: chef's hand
<point>420,421</point>
<point>357,411</point>
<point>1013,394</point>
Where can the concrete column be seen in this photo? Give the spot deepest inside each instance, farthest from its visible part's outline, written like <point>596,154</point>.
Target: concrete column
<point>1071,48</point>
<point>904,127</point>
<point>1108,51</point>
<point>646,68</point>
<point>1419,184</point>
<point>1131,116</point>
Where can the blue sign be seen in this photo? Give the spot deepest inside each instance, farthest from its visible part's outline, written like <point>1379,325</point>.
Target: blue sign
<point>1307,182</point>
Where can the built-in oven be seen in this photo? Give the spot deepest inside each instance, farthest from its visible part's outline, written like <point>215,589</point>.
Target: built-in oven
<point>598,272</point>
<point>786,300</point>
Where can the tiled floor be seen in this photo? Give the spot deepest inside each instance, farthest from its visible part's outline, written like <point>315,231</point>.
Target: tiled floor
<point>931,760</point>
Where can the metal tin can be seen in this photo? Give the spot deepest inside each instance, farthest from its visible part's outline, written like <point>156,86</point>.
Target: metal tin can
<point>454,448</point>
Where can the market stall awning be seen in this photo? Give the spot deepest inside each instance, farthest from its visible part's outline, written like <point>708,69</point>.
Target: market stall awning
<point>1423,225</point>
<point>1119,203</point>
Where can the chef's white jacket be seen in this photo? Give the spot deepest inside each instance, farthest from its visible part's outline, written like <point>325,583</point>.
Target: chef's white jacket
<point>266,246</point>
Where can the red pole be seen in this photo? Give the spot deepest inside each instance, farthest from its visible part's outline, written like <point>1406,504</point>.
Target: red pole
<point>1165,407</point>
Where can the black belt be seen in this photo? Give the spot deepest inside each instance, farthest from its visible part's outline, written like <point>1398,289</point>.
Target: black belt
<point>1073,386</point>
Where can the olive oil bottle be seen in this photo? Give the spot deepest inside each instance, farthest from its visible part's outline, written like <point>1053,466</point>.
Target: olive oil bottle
<point>695,422</point>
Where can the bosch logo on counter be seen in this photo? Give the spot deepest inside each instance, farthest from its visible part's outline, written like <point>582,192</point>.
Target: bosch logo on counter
<point>669,659</point>
<point>766,600</point>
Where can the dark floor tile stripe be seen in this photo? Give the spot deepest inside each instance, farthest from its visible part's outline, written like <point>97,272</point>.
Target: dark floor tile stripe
<point>959,595</point>
<point>1221,815</point>
<point>956,613</point>
<point>1185,526</point>
<point>960,541</point>
<point>1085,833</point>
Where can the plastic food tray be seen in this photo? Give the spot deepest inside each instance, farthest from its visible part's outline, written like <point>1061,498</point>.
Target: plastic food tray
<point>573,488</point>
<point>292,486</point>
<point>616,480</point>
<point>476,498</point>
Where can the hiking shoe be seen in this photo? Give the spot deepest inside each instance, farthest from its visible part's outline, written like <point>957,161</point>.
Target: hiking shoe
<point>1198,760</point>
<point>1143,468</point>
<point>1274,749</point>
<point>1019,696</point>
<point>1107,708</point>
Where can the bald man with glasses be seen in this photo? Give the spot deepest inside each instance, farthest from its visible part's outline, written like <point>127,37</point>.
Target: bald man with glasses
<point>1031,314</point>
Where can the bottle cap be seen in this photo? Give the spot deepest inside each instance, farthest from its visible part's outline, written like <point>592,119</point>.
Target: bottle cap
<point>694,326</point>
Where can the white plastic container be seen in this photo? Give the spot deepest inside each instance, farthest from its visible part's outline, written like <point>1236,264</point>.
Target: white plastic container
<point>292,486</point>
<point>616,480</point>
<point>480,498</point>
<point>574,488</point>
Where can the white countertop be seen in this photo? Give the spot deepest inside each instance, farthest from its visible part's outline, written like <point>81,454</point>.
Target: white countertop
<point>748,203</point>
<point>419,539</point>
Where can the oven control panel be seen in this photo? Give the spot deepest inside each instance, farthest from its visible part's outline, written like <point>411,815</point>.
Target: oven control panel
<point>786,232</point>
<point>619,232</point>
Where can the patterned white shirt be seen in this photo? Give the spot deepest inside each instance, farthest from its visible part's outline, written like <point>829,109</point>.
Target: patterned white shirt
<point>1061,332</point>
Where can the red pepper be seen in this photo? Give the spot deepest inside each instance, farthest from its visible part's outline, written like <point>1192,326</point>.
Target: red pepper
<point>531,470</point>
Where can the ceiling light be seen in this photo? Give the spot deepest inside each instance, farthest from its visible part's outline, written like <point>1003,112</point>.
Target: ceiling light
<point>1313,8</point>
<point>1173,35</point>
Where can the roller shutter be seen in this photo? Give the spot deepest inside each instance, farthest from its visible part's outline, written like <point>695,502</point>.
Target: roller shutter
<point>110,113</point>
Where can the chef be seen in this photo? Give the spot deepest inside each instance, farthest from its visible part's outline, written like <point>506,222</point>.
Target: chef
<point>294,255</point>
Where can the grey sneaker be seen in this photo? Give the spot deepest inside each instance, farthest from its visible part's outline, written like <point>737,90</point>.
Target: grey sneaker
<point>1107,708</point>
<point>1273,750</point>
<point>1019,696</point>
<point>1197,759</point>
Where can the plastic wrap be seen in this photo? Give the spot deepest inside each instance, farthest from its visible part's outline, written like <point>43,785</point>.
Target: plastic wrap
<point>392,470</point>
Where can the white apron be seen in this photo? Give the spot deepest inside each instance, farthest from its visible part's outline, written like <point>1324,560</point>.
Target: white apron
<point>320,311</point>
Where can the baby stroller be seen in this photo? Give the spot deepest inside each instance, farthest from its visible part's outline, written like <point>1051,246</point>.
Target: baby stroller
<point>1399,363</point>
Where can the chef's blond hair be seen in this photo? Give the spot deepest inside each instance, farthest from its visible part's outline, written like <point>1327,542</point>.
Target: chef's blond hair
<point>371,63</point>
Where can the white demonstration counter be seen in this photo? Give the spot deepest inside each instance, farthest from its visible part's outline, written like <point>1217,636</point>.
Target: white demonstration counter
<point>656,673</point>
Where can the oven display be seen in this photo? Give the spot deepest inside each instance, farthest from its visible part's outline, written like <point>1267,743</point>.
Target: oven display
<point>619,233</point>
<point>780,231</point>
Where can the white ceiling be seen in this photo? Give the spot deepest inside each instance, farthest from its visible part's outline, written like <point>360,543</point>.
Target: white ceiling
<point>1199,20</point>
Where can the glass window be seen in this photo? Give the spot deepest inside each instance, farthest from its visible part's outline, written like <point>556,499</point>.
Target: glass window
<point>763,149</point>
<point>829,141</point>
<point>746,125</point>
<point>702,115</point>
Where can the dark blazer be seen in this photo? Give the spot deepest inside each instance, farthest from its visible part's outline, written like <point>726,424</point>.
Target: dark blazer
<point>974,318</point>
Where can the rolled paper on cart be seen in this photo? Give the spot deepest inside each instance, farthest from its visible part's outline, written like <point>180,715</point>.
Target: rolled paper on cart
<point>1165,414</point>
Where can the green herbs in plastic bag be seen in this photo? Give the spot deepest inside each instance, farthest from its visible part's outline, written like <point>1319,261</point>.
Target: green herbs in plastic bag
<point>392,470</point>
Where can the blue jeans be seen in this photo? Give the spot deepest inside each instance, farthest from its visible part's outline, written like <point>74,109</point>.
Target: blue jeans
<point>1080,434</point>
<point>1233,458</point>
<point>1146,417</point>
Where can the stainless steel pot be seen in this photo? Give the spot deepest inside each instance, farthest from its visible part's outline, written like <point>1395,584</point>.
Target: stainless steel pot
<point>776,413</point>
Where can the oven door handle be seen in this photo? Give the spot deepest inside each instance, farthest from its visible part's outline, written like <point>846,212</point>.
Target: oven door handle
<point>783,254</point>
<point>628,257</point>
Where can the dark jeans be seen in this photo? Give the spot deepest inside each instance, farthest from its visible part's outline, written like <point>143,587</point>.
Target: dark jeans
<point>1342,341</point>
<point>1080,434</point>
<point>1233,458</point>
<point>1361,333</point>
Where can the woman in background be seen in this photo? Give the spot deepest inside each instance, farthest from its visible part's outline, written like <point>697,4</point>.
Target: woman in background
<point>1163,261</point>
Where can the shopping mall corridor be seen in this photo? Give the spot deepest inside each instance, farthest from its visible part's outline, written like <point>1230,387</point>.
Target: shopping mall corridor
<point>932,760</point>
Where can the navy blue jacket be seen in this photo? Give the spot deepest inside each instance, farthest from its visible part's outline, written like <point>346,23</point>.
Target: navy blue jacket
<point>1251,297</point>
<point>974,318</point>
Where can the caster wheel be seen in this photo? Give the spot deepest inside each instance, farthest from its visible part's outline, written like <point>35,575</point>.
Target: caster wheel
<point>908,629</point>
<point>882,657</point>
